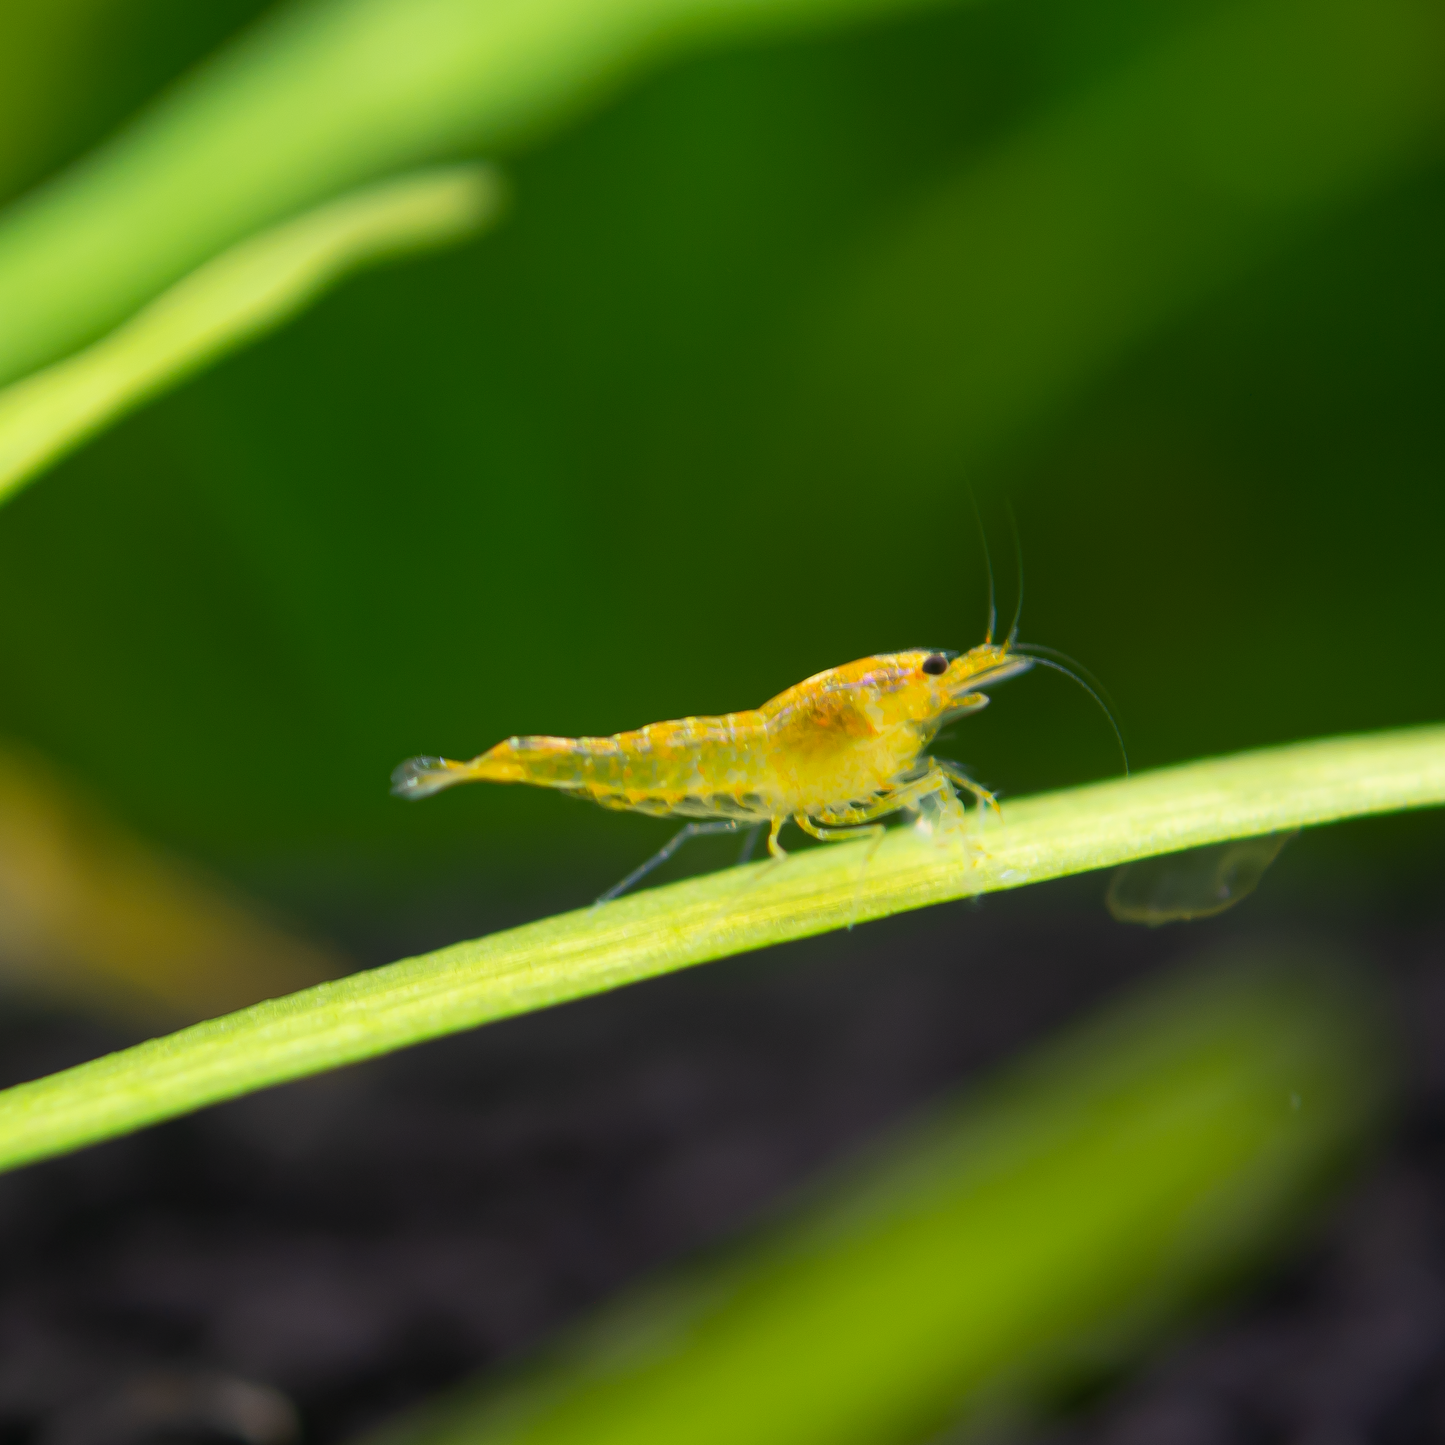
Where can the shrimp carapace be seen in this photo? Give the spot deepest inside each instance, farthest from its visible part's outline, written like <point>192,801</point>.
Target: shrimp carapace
<point>835,753</point>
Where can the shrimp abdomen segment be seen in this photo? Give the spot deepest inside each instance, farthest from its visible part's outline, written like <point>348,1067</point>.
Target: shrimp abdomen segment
<point>702,767</point>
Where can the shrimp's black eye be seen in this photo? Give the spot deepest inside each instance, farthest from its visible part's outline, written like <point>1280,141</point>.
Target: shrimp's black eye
<point>935,663</point>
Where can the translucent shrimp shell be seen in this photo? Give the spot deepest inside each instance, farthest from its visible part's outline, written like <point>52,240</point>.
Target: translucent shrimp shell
<point>833,748</point>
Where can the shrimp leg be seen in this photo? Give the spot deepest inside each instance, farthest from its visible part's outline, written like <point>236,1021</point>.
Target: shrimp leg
<point>956,774</point>
<point>872,831</point>
<point>693,830</point>
<point>908,796</point>
<point>875,831</point>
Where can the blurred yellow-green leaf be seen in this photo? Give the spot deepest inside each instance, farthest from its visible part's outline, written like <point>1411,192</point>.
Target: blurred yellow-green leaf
<point>1040,1232</point>
<point>93,918</point>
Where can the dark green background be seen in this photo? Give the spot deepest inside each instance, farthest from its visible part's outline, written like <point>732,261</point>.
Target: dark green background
<point>621,461</point>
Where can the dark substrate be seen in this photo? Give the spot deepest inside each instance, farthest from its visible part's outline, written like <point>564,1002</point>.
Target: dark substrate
<point>325,1254</point>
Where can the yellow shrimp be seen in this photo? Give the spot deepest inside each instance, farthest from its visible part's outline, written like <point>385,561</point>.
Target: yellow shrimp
<point>834,754</point>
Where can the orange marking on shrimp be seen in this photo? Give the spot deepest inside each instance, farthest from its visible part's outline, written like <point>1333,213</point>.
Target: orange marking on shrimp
<point>834,754</point>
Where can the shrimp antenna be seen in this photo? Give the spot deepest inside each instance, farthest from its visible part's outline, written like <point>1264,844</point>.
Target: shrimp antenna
<point>1083,672</point>
<point>987,564</point>
<point>1013,526</point>
<point>1035,654</point>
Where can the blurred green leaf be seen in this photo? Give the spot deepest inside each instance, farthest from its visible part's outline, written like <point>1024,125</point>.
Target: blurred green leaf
<point>71,70</point>
<point>745,908</point>
<point>37,42</point>
<point>315,99</point>
<point>1012,287</point>
<point>1029,1238</point>
<point>242,294</point>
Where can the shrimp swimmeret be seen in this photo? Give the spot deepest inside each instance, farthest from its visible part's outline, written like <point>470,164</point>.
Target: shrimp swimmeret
<point>835,754</point>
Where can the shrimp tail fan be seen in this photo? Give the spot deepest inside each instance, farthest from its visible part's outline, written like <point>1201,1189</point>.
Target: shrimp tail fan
<point>420,777</point>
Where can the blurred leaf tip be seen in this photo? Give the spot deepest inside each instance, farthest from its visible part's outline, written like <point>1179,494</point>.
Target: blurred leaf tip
<point>249,290</point>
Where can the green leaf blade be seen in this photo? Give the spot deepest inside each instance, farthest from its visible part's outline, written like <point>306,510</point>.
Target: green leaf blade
<point>243,293</point>
<point>665,929</point>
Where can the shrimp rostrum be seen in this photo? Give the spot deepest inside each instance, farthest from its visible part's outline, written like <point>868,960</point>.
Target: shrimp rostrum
<point>835,754</point>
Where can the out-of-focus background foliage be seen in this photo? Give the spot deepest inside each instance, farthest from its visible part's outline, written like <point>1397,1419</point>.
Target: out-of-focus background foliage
<point>779,286</point>
<point>698,421</point>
